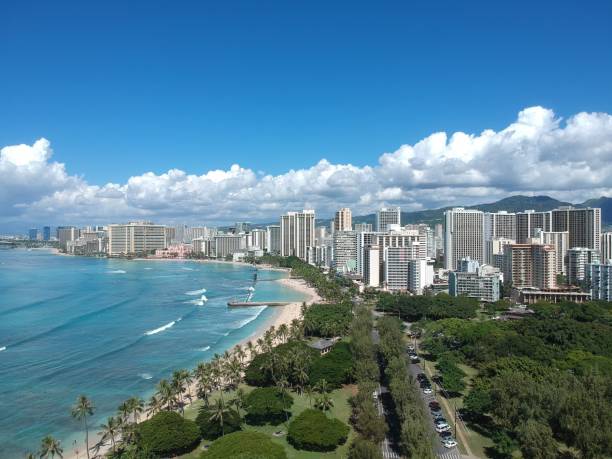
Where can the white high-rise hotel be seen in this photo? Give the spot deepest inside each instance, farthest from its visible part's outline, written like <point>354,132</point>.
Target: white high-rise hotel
<point>387,216</point>
<point>343,220</point>
<point>463,236</point>
<point>135,238</point>
<point>297,233</point>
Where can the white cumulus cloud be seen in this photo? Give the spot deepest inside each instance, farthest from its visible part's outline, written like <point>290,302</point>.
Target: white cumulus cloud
<point>539,153</point>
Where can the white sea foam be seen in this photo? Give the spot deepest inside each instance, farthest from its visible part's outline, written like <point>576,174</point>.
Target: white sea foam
<point>148,269</point>
<point>248,320</point>
<point>146,375</point>
<point>226,333</point>
<point>117,271</point>
<point>163,327</point>
<point>204,349</point>
<point>196,292</point>
<point>3,348</point>
<point>186,269</point>
<point>252,289</point>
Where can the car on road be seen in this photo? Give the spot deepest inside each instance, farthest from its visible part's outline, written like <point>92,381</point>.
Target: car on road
<point>438,417</point>
<point>427,391</point>
<point>434,404</point>
<point>442,428</point>
<point>375,395</point>
<point>449,443</point>
<point>446,434</point>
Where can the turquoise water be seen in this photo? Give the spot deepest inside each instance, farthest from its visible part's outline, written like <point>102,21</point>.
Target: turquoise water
<point>109,329</point>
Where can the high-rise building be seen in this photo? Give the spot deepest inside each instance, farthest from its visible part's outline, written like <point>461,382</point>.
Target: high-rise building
<point>583,226</point>
<point>577,259</point>
<point>495,251</point>
<point>321,235</point>
<point>228,244</point>
<point>363,227</point>
<point>560,241</point>
<point>388,216</point>
<point>463,236</point>
<point>528,222</point>
<point>136,238</point>
<point>191,233</point>
<point>530,265</point>
<point>33,234</point>
<point>606,247</point>
<point>274,239</point>
<point>420,275</point>
<point>598,278</point>
<point>66,234</point>
<point>371,271</point>
<point>297,233</point>
<point>46,233</point>
<point>467,265</point>
<point>396,267</point>
<point>345,251</point>
<point>343,221</point>
<point>498,225</point>
<point>257,239</point>
<point>364,240</point>
<point>242,227</point>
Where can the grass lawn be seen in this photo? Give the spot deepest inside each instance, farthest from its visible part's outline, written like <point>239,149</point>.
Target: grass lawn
<point>341,411</point>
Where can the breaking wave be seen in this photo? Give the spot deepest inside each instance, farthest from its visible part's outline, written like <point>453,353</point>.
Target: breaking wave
<point>163,327</point>
<point>196,292</point>
<point>117,271</point>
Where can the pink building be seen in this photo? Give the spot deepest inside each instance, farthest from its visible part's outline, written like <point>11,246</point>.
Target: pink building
<point>174,251</point>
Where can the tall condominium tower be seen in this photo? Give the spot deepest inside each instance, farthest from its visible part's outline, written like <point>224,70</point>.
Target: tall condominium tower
<point>463,236</point>
<point>530,265</point>
<point>343,221</point>
<point>560,241</point>
<point>528,222</point>
<point>273,242</point>
<point>297,233</point>
<point>583,226</point>
<point>387,216</point>
<point>345,251</point>
<point>606,247</point>
<point>577,259</point>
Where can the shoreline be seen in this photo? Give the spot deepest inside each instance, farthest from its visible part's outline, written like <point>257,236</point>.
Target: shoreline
<point>281,315</point>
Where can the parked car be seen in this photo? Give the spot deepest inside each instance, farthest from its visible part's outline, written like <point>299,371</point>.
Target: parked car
<point>442,428</point>
<point>440,422</point>
<point>434,404</point>
<point>446,434</point>
<point>414,359</point>
<point>439,417</point>
<point>427,391</point>
<point>449,443</point>
<point>421,376</point>
<point>375,395</point>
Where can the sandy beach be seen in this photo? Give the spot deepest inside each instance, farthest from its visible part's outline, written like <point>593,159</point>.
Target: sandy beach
<point>283,315</point>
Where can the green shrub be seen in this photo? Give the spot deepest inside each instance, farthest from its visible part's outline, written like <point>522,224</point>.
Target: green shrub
<point>245,445</point>
<point>335,367</point>
<point>257,372</point>
<point>168,434</point>
<point>211,430</point>
<point>314,431</point>
<point>267,405</point>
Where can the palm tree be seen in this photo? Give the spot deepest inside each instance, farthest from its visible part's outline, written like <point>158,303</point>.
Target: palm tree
<point>300,375</point>
<point>49,447</point>
<point>309,393</point>
<point>282,385</point>
<point>154,405</point>
<point>30,456</point>
<point>233,372</point>
<point>322,387</point>
<point>136,405</point>
<point>218,414</point>
<point>282,332</point>
<point>178,386</point>
<point>83,408</point>
<point>324,402</point>
<point>261,345</point>
<point>252,349</point>
<point>240,354</point>
<point>205,387</point>
<point>165,394</point>
<point>124,411</point>
<point>110,430</point>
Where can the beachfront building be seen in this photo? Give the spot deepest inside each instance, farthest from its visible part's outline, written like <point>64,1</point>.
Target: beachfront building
<point>66,234</point>
<point>174,251</point>
<point>297,232</point>
<point>387,216</point>
<point>257,239</point>
<point>228,244</point>
<point>135,238</point>
<point>273,242</point>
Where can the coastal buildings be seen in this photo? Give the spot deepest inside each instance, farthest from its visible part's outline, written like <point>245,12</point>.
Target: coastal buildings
<point>228,244</point>
<point>387,216</point>
<point>598,278</point>
<point>583,226</point>
<point>46,233</point>
<point>343,220</point>
<point>273,242</point>
<point>577,260</point>
<point>33,234</point>
<point>420,275</point>
<point>560,241</point>
<point>528,221</point>
<point>463,236</point>
<point>396,267</point>
<point>135,238</point>
<point>297,230</point>
<point>257,239</point>
<point>66,234</point>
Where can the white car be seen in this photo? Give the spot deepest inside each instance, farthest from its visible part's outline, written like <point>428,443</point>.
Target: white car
<point>442,428</point>
<point>427,391</point>
<point>449,443</point>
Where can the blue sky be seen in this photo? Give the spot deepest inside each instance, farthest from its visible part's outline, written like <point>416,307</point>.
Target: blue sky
<point>123,89</point>
<point>112,111</point>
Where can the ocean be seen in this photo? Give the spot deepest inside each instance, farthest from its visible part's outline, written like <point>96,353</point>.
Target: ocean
<point>109,329</point>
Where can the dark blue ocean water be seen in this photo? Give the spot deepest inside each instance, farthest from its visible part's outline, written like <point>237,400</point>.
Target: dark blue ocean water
<point>109,329</point>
